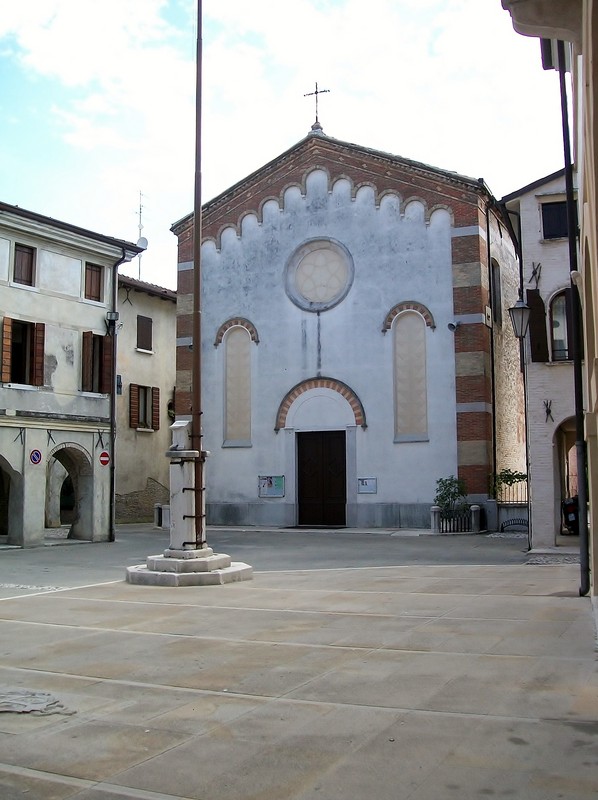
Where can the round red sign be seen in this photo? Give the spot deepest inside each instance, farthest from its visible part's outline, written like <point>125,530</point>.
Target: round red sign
<point>104,458</point>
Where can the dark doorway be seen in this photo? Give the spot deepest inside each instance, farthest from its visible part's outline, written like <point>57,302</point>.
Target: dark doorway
<point>321,478</point>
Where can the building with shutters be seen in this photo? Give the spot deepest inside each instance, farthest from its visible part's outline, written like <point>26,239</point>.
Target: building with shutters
<point>574,24</point>
<point>539,211</point>
<point>145,381</point>
<point>58,302</point>
<point>356,345</point>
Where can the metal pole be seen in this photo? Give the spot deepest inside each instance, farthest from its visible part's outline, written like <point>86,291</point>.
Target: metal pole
<point>200,528</point>
<point>575,310</point>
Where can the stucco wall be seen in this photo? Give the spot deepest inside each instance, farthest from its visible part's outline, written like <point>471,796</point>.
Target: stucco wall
<point>399,254</point>
<point>141,466</point>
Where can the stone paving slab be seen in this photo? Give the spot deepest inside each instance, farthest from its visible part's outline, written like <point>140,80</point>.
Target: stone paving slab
<point>406,683</point>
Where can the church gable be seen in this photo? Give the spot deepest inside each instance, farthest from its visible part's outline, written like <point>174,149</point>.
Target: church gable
<point>358,167</point>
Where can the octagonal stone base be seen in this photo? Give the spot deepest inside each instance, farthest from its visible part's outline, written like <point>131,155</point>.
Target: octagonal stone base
<point>209,569</point>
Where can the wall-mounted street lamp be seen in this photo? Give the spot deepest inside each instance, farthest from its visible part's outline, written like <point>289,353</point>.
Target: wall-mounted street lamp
<point>520,314</point>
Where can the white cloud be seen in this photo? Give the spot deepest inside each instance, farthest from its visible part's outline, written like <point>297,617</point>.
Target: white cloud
<point>447,82</point>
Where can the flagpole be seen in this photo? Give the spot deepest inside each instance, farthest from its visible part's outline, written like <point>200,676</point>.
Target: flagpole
<point>196,432</point>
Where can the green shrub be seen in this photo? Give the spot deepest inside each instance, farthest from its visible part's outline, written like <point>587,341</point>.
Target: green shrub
<point>450,495</point>
<point>506,477</point>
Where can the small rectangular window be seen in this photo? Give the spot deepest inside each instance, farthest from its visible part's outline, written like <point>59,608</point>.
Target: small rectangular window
<point>24,271</point>
<point>144,333</point>
<point>554,220</point>
<point>94,280</point>
<point>144,407</point>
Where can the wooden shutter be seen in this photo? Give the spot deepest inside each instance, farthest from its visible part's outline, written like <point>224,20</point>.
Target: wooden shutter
<point>23,272</point>
<point>537,326</point>
<point>106,367</point>
<point>144,333</point>
<point>37,367</point>
<point>6,348</point>
<point>133,405</point>
<point>87,362</point>
<point>93,282</point>
<point>155,408</point>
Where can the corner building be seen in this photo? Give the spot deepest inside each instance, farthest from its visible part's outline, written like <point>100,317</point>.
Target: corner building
<point>356,344</point>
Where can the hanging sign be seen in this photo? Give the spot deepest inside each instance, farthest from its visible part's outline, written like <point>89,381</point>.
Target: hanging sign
<point>104,458</point>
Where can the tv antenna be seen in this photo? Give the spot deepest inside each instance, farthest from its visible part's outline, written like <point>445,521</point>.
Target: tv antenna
<point>139,229</point>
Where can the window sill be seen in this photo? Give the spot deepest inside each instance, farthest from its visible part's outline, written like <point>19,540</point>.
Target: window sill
<point>29,286</point>
<point>147,352</point>
<point>416,437</point>
<point>95,394</point>
<point>145,430</point>
<point>26,386</point>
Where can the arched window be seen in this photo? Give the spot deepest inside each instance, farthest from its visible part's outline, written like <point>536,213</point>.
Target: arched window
<point>237,387</point>
<point>560,326</point>
<point>410,381</point>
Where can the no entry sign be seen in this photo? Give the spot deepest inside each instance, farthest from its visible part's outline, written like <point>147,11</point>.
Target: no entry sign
<point>104,458</point>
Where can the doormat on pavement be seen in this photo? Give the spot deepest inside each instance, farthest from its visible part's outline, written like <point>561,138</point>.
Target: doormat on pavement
<point>21,701</point>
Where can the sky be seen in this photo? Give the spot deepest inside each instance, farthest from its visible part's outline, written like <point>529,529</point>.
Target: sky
<point>97,100</point>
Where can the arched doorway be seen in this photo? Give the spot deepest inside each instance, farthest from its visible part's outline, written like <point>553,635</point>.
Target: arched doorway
<point>323,415</point>
<point>11,504</point>
<point>69,491</point>
<point>566,478</point>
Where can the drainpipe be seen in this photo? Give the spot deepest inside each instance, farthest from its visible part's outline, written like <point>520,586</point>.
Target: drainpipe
<point>112,319</point>
<point>492,371</point>
<point>584,554</point>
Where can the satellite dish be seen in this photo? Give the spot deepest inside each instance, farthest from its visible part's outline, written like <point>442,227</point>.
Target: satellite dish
<point>142,242</point>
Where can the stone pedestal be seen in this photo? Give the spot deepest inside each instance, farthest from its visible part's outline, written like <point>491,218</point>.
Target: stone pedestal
<point>182,563</point>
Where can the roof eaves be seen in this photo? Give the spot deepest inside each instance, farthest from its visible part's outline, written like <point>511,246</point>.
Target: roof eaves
<point>531,186</point>
<point>33,216</point>
<point>148,288</point>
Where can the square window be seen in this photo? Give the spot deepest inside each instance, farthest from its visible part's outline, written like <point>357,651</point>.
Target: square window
<point>24,271</point>
<point>94,280</point>
<point>554,220</point>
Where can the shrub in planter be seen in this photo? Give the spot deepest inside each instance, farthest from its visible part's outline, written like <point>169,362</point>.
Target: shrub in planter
<point>450,497</point>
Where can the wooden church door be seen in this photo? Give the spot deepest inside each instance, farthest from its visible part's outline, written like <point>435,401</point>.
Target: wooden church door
<point>321,478</point>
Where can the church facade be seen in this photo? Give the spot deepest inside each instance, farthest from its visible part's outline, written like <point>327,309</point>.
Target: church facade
<point>356,345</point>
